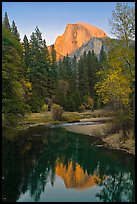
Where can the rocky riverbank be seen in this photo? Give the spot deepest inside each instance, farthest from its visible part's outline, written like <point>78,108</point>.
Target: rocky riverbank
<point>113,141</point>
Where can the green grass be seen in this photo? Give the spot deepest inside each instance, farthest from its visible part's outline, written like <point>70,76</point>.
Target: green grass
<point>96,113</point>
<point>71,116</point>
<point>45,117</point>
<point>38,117</point>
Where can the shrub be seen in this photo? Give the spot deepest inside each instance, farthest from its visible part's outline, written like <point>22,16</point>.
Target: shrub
<point>82,108</point>
<point>124,120</point>
<point>56,111</point>
<point>44,107</point>
<point>89,103</point>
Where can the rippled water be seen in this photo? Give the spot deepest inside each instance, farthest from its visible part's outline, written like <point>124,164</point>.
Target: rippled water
<point>51,164</point>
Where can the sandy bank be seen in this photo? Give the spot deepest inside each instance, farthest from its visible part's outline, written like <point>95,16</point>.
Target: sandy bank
<point>114,141</point>
<point>93,129</point>
<point>98,119</point>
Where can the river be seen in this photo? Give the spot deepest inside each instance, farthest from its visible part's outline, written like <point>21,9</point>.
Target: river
<point>50,164</point>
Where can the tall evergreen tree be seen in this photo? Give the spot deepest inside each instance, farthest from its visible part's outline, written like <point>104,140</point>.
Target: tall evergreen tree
<point>46,53</point>
<point>52,74</point>
<point>26,54</point>
<point>61,93</point>
<point>6,22</point>
<point>103,58</point>
<point>38,70</point>
<point>83,82</point>
<point>53,55</point>
<point>15,32</point>
<point>93,66</point>
<point>12,91</point>
<point>73,81</point>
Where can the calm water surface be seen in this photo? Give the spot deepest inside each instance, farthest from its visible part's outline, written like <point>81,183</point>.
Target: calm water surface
<point>51,164</point>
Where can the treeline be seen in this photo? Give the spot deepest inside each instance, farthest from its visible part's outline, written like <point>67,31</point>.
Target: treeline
<point>76,80</point>
<point>31,76</point>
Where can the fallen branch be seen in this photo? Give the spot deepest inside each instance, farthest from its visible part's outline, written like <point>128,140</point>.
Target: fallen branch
<point>94,143</point>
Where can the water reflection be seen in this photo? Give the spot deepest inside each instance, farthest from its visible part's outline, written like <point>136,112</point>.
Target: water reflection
<point>118,187</point>
<point>40,156</point>
<point>76,178</point>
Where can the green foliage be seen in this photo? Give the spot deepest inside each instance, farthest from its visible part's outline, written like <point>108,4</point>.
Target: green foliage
<point>56,111</point>
<point>15,32</point>
<point>8,40</point>
<point>38,72</point>
<point>69,106</point>
<point>76,99</point>
<point>53,55</point>
<point>116,86</point>
<point>80,77</point>
<point>45,107</point>
<point>70,117</point>
<point>13,103</point>
<point>82,108</point>
<point>123,120</point>
<point>83,83</point>
<point>89,103</point>
<point>61,92</point>
<point>27,88</point>
<point>26,52</point>
<point>93,66</point>
<point>103,58</point>
<point>123,22</point>
<point>6,22</point>
<point>36,102</point>
<point>88,65</point>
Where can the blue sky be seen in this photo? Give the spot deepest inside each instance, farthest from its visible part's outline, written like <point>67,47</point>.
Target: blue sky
<point>52,17</point>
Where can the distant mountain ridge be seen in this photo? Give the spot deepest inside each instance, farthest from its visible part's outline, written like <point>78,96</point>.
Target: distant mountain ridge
<point>75,36</point>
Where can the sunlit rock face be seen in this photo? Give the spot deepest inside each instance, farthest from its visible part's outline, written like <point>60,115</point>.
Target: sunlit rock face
<point>95,44</point>
<point>74,37</point>
<point>76,178</point>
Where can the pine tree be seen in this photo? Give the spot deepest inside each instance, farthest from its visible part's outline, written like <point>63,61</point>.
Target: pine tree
<point>15,32</point>
<point>52,74</point>
<point>83,83</point>
<point>103,58</point>
<point>12,91</point>
<point>93,66</point>
<point>61,93</point>
<point>6,22</point>
<point>26,54</point>
<point>38,70</point>
<point>53,55</point>
<point>74,97</point>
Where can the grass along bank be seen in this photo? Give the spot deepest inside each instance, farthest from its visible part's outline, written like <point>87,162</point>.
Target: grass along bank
<point>45,118</point>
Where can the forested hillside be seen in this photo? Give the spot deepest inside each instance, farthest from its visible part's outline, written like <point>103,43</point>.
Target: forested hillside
<point>32,77</point>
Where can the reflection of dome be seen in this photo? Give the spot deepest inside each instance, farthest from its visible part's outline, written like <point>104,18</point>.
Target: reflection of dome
<point>76,178</point>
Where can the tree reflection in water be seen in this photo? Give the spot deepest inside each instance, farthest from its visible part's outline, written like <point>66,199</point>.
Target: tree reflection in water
<point>117,188</point>
<point>38,154</point>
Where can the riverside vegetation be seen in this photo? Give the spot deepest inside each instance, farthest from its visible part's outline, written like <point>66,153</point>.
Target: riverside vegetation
<point>33,81</point>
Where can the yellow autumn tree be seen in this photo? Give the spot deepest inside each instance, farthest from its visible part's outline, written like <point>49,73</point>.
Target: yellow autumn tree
<point>116,84</point>
<point>114,88</point>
